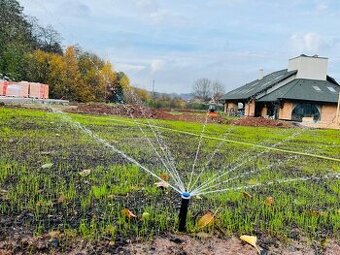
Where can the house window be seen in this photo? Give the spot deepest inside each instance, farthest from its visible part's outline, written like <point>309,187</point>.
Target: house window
<point>316,88</point>
<point>305,110</point>
<point>331,89</point>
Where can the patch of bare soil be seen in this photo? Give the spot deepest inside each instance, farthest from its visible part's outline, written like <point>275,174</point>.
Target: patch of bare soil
<point>138,111</point>
<point>55,243</point>
<point>261,122</point>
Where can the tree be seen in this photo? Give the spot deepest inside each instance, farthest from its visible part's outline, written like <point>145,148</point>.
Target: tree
<point>117,92</point>
<point>15,38</point>
<point>37,66</point>
<point>217,91</point>
<point>202,89</point>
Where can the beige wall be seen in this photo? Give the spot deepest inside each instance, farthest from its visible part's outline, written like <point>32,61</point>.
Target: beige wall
<point>264,111</point>
<point>249,108</point>
<point>328,113</point>
<point>285,112</point>
<point>230,108</point>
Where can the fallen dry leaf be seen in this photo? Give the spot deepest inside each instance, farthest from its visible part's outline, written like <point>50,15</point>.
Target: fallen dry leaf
<point>206,220</point>
<point>247,195</point>
<point>61,199</point>
<point>85,173</point>
<point>48,165</point>
<point>252,240</point>
<point>269,201</point>
<point>165,176</point>
<point>54,234</point>
<point>128,214</point>
<point>316,213</point>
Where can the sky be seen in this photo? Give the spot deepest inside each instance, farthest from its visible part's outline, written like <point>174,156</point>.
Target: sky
<point>176,42</point>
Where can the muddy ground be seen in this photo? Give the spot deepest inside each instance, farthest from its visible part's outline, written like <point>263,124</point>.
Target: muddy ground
<point>138,111</point>
<point>171,244</point>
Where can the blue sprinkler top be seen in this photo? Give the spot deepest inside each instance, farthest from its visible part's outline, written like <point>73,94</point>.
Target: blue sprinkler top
<point>186,195</point>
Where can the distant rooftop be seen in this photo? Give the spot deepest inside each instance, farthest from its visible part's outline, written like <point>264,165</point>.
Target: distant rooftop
<point>250,89</point>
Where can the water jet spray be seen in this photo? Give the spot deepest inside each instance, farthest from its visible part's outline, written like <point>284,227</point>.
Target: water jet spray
<point>182,217</point>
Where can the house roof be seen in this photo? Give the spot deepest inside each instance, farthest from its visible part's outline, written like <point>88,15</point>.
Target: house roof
<point>304,89</point>
<point>253,88</point>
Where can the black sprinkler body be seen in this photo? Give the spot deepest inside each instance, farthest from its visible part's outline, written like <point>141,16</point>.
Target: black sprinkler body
<point>182,217</point>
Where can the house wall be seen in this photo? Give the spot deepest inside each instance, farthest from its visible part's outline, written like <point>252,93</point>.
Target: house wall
<point>328,113</point>
<point>264,111</point>
<point>249,108</point>
<point>228,106</point>
<point>309,67</point>
<point>285,112</point>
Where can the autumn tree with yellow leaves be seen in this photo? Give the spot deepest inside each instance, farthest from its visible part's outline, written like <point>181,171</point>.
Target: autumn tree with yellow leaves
<point>77,76</point>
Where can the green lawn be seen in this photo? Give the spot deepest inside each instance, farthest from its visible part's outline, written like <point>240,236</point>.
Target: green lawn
<point>43,182</point>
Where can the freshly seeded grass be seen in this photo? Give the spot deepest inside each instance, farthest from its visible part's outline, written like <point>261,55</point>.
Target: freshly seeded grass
<point>60,198</point>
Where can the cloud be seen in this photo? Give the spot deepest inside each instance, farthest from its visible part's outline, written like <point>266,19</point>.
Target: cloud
<point>176,42</point>
<point>309,43</point>
<point>321,7</point>
<point>74,9</point>
<point>129,67</point>
<point>157,65</point>
<point>147,5</point>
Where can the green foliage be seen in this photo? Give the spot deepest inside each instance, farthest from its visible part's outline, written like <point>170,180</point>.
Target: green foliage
<point>33,53</point>
<point>20,35</point>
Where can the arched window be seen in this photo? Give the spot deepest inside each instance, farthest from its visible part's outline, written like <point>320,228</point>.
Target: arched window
<point>305,110</point>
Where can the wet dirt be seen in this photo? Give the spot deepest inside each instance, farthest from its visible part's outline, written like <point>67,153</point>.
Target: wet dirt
<point>261,122</point>
<point>169,244</point>
<point>138,111</point>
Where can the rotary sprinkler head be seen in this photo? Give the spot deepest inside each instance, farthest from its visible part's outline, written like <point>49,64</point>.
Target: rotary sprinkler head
<point>182,217</point>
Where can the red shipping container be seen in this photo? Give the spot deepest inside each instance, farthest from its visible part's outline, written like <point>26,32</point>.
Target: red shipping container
<point>3,87</point>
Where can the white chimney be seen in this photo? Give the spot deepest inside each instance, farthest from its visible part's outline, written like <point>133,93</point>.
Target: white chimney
<point>261,74</point>
<point>309,67</point>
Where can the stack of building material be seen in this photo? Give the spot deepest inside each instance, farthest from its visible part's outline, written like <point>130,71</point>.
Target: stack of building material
<point>3,87</point>
<point>38,90</point>
<point>17,89</point>
<point>46,91</point>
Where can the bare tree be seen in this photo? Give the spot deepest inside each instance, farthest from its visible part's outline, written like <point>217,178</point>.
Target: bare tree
<point>202,89</point>
<point>217,90</point>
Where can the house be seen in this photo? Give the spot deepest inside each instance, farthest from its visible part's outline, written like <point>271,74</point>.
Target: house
<point>303,92</point>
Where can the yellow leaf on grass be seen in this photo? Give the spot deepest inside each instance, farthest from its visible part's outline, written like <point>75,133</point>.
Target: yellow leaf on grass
<point>54,234</point>
<point>206,220</point>
<point>61,199</point>
<point>269,201</point>
<point>247,195</point>
<point>85,172</point>
<point>128,214</point>
<point>252,240</point>
<point>164,176</point>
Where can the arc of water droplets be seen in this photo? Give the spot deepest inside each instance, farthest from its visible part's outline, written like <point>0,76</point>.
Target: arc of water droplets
<point>215,177</point>
<point>212,155</point>
<point>163,147</point>
<point>107,144</point>
<point>172,169</point>
<point>197,151</point>
<point>329,176</point>
<point>243,175</point>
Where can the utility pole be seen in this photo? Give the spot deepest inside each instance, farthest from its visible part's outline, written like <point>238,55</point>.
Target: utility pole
<point>153,88</point>
<point>338,111</point>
